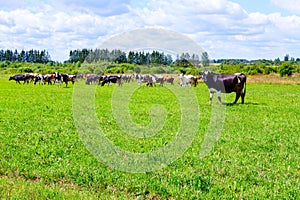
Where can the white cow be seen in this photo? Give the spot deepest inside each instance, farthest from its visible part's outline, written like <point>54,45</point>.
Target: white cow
<point>185,80</point>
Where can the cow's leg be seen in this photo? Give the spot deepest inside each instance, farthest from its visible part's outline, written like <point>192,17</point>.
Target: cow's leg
<point>219,96</point>
<point>237,96</point>
<point>58,83</point>
<point>211,95</point>
<point>243,97</point>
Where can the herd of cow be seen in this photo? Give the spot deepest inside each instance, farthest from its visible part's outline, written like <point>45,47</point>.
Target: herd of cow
<point>44,78</point>
<point>216,83</point>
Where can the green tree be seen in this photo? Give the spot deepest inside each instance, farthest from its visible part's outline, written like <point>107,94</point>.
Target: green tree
<point>205,59</point>
<point>286,57</point>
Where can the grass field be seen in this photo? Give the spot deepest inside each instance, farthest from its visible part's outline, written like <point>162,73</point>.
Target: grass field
<point>256,157</point>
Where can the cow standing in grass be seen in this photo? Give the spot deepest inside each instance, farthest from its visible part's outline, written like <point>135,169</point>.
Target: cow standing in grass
<point>184,79</point>
<point>225,83</point>
<point>112,79</point>
<point>59,78</point>
<point>22,77</point>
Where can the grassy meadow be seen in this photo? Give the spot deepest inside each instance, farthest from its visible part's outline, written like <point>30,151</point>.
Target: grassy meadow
<point>256,157</point>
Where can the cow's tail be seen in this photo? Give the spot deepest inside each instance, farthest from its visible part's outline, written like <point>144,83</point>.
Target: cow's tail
<point>245,89</point>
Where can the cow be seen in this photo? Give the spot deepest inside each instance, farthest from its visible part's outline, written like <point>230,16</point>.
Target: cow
<point>71,78</point>
<point>169,80</point>
<point>38,78</point>
<point>159,79</point>
<point>126,78</point>
<point>59,78</point>
<point>21,77</point>
<point>92,78</point>
<point>185,80</point>
<point>146,78</point>
<point>225,83</point>
<point>17,78</point>
<point>194,81</point>
<point>48,78</point>
<point>112,79</point>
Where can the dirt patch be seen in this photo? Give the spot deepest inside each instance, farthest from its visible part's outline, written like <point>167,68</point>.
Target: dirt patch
<point>274,78</point>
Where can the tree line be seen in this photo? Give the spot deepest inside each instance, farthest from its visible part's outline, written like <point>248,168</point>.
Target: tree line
<point>118,56</point>
<point>104,55</point>
<point>34,56</point>
<point>132,57</point>
<point>117,61</point>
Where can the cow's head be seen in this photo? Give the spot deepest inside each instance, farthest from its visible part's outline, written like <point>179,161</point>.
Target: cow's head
<point>206,75</point>
<point>209,77</point>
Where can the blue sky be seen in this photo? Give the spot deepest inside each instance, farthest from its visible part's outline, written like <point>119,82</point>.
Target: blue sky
<point>250,29</point>
<point>263,6</point>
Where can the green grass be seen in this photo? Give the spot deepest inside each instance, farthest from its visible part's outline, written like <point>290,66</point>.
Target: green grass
<point>256,157</point>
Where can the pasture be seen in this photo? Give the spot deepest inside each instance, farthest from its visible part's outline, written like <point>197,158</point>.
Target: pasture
<point>256,157</point>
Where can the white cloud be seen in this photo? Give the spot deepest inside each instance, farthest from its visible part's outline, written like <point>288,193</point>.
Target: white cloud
<point>290,5</point>
<point>232,31</point>
<point>221,27</point>
<point>99,7</point>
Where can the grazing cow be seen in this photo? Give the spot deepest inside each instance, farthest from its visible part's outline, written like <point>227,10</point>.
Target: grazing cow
<point>91,78</point>
<point>126,78</point>
<point>71,78</point>
<point>185,80</point>
<point>101,78</point>
<point>225,83</point>
<point>17,78</point>
<point>48,78</point>
<point>38,78</point>
<point>146,78</point>
<point>169,80</point>
<point>159,79</point>
<point>194,81</point>
<point>21,77</point>
<point>112,79</point>
<point>59,78</point>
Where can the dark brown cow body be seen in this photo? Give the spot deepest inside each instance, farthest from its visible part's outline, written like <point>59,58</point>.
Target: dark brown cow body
<point>225,83</point>
<point>22,77</point>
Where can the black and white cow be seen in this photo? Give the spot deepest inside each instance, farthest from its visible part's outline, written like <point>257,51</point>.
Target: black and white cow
<point>225,83</point>
<point>112,79</point>
<point>59,78</point>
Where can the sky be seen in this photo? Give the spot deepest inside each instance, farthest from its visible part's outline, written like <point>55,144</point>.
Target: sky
<point>248,29</point>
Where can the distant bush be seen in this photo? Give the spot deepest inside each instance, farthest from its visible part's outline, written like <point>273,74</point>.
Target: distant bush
<point>286,69</point>
<point>159,70</point>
